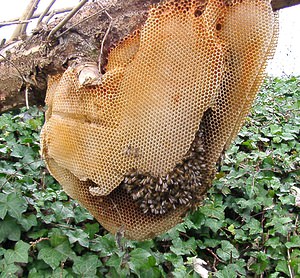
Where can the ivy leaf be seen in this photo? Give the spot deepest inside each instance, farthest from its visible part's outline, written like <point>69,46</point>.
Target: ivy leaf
<point>58,251</point>
<point>294,242</point>
<point>281,225</point>
<point>210,242</point>
<point>19,254</point>
<point>143,263</point>
<point>9,229</point>
<point>179,272</point>
<point>28,222</point>
<point>20,151</point>
<point>226,272</point>
<point>62,211</point>
<point>213,212</point>
<point>78,236</point>
<point>283,267</point>
<point>274,242</point>
<point>254,227</point>
<point>105,245</point>
<point>86,264</point>
<point>91,229</point>
<point>114,261</point>
<point>181,247</point>
<point>38,234</point>
<point>275,129</point>
<point>175,260</point>
<point>57,237</point>
<point>8,270</point>
<point>233,270</point>
<point>138,258</point>
<point>12,204</point>
<point>262,263</point>
<point>82,214</point>
<point>65,250</point>
<point>197,218</point>
<point>50,256</point>
<point>118,273</point>
<point>213,224</point>
<point>3,206</point>
<point>287,136</point>
<point>227,251</point>
<point>152,272</point>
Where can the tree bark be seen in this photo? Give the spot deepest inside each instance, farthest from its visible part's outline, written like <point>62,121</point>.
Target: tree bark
<point>25,64</point>
<point>281,4</point>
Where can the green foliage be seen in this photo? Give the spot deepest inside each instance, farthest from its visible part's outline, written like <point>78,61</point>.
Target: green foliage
<point>247,227</point>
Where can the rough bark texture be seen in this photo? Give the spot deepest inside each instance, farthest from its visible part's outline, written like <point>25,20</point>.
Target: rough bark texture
<point>28,62</point>
<point>25,64</point>
<point>280,4</point>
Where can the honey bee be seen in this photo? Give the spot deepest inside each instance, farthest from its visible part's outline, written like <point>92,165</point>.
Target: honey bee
<point>158,195</point>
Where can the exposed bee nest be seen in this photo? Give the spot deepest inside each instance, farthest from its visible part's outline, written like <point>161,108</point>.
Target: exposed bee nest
<point>143,112</point>
<point>159,194</point>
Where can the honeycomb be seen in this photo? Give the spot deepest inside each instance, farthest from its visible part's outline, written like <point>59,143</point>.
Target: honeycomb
<point>139,148</point>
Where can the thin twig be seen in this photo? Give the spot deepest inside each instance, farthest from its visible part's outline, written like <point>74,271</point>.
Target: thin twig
<point>29,14</point>
<point>26,97</point>
<point>296,223</point>
<point>34,243</point>
<point>3,41</point>
<point>63,226</point>
<point>37,15</point>
<point>104,38</point>
<point>289,263</point>
<point>81,21</point>
<point>44,13</point>
<point>3,23</point>
<point>21,29</point>
<point>214,255</point>
<point>119,214</point>
<point>214,265</point>
<point>289,259</point>
<point>62,265</point>
<point>50,15</point>
<point>67,18</point>
<point>119,235</point>
<point>292,170</point>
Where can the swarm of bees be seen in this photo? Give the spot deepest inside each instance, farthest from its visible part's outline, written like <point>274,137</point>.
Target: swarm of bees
<point>160,194</point>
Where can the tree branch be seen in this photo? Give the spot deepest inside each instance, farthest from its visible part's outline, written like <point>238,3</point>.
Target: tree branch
<point>281,4</point>
<point>67,18</point>
<point>44,13</point>
<point>21,28</point>
<point>79,41</point>
<point>7,23</point>
<point>36,15</point>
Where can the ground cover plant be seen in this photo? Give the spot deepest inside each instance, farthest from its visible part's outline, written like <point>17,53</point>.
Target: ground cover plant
<point>247,227</point>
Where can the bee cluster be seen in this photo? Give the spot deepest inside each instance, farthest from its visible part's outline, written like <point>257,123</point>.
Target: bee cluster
<point>180,186</point>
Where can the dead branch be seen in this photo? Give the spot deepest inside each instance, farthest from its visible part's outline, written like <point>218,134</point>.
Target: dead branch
<point>281,4</point>
<point>100,60</point>
<point>44,13</point>
<point>78,23</point>
<point>21,28</point>
<point>2,24</point>
<point>79,41</point>
<point>67,18</point>
<point>37,15</point>
<point>87,33</point>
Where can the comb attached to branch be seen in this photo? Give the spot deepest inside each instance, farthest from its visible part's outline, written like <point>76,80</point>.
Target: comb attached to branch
<point>139,148</point>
